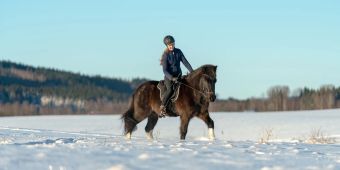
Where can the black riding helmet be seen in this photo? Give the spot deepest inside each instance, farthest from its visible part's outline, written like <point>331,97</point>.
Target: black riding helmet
<point>168,40</point>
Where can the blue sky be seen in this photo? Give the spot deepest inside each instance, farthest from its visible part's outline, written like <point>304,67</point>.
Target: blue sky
<point>256,44</point>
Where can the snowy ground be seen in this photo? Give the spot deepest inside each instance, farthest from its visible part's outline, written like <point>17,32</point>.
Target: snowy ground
<point>96,142</point>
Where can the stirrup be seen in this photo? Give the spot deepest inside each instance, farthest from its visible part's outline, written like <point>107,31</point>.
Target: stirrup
<point>163,111</point>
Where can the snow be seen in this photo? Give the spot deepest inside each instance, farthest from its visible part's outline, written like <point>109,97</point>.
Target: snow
<point>96,142</point>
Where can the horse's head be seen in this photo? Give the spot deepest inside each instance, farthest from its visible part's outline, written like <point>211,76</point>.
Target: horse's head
<point>208,81</point>
<point>207,84</point>
<point>205,77</point>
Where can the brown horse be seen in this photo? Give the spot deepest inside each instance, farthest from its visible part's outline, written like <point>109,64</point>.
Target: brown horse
<point>196,92</point>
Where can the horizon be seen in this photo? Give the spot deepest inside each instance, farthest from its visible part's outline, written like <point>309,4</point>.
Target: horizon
<point>291,93</point>
<point>256,45</point>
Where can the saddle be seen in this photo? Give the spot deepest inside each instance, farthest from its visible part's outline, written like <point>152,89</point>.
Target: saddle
<point>162,88</point>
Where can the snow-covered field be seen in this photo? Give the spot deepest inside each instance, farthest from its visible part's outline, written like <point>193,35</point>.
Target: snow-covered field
<point>96,142</point>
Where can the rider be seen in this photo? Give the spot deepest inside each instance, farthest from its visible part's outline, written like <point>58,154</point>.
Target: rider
<point>170,61</point>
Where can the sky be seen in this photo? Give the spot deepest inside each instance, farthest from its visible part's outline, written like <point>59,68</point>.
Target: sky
<point>255,44</point>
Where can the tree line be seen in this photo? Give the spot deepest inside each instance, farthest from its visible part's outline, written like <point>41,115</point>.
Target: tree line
<point>280,98</point>
<point>27,90</point>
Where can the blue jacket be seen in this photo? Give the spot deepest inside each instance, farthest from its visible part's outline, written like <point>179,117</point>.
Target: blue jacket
<point>171,61</point>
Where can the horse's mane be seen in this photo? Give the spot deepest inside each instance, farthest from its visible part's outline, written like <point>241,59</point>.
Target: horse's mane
<point>205,69</point>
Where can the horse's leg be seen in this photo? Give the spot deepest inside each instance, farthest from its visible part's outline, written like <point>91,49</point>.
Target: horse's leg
<point>129,126</point>
<point>184,126</point>
<point>131,119</point>
<point>152,121</point>
<point>210,123</point>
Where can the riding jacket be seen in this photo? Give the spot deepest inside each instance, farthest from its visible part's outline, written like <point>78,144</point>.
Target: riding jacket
<point>171,63</point>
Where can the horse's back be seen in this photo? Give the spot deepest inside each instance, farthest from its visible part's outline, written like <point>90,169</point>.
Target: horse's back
<point>148,85</point>
<point>147,95</point>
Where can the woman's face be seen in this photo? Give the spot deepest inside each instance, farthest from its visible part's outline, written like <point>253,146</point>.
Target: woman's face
<point>171,46</point>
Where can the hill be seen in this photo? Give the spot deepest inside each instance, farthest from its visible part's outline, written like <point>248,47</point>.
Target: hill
<point>36,90</point>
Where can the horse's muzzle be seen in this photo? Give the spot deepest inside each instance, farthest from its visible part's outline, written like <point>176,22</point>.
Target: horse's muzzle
<point>212,97</point>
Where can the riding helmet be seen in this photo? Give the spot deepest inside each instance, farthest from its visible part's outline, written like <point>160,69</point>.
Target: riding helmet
<point>168,40</point>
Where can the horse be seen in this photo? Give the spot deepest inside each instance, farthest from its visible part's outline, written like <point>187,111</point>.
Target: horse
<point>196,92</point>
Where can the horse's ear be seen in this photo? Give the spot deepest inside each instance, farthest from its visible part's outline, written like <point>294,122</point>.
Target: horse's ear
<point>204,69</point>
<point>215,67</point>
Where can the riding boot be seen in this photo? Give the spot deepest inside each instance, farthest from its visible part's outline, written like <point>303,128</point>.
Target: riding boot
<point>165,103</point>
<point>167,94</point>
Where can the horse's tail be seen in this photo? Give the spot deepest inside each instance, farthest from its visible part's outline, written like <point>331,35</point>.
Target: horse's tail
<point>130,110</point>
<point>128,119</point>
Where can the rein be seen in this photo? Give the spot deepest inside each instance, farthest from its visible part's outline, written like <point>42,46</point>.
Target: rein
<point>204,93</point>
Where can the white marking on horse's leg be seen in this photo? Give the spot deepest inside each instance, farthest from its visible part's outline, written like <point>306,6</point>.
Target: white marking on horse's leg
<point>149,135</point>
<point>211,133</point>
<point>128,135</point>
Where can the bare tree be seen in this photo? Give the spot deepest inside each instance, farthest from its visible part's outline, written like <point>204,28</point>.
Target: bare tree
<point>278,97</point>
<point>327,96</point>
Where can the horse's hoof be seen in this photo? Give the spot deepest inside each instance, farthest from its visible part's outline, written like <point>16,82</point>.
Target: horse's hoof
<point>211,134</point>
<point>128,136</point>
<point>149,135</point>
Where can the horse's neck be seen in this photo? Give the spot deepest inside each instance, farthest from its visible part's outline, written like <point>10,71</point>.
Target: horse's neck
<point>193,78</point>
<point>195,90</point>
<point>193,81</point>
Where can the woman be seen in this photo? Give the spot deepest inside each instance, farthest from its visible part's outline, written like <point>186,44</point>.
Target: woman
<point>170,61</point>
